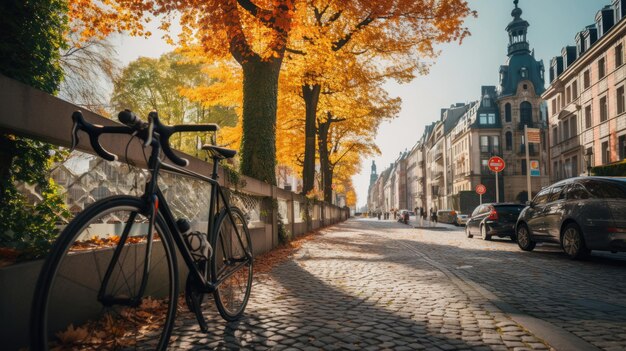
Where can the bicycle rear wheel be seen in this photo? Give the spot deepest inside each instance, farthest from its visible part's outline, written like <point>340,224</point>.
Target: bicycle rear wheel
<point>102,288</point>
<point>231,264</point>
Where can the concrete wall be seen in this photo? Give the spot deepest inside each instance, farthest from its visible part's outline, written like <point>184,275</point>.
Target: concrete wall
<point>32,113</point>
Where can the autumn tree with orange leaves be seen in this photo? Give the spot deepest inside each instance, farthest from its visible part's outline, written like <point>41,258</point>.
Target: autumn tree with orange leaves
<point>253,33</point>
<point>389,38</point>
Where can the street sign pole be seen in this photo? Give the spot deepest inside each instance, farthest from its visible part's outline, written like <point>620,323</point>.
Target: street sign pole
<point>497,189</point>
<point>527,142</point>
<point>481,199</point>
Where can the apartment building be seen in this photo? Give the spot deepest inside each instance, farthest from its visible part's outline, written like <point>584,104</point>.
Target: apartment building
<point>587,109</point>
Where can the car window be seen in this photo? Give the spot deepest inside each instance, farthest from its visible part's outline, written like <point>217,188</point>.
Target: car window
<point>576,192</point>
<point>605,190</point>
<point>555,192</point>
<point>509,209</point>
<point>542,197</point>
<point>477,211</point>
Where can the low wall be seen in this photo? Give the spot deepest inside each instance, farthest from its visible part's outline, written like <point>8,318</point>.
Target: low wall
<point>35,114</point>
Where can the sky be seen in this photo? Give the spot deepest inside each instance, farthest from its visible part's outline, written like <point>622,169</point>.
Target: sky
<point>455,76</point>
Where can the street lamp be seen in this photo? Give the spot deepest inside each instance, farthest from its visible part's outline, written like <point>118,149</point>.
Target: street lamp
<point>588,158</point>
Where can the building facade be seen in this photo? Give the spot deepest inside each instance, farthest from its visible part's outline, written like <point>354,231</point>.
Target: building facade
<point>455,149</point>
<point>586,104</point>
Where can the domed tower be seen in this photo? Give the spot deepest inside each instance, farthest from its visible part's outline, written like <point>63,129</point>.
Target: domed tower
<point>519,102</point>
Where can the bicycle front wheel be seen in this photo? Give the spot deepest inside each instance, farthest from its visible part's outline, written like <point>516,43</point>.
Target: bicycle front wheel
<point>107,283</point>
<point>231,266</point>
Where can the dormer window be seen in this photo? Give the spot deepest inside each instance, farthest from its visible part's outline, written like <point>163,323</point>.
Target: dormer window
<point>524,72</point>
<point>486,101</point>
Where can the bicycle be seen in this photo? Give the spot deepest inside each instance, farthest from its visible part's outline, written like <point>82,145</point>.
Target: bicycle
<point>118,256</point>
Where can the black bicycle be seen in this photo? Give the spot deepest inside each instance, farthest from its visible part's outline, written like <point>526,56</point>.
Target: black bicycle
<point>118,256</point>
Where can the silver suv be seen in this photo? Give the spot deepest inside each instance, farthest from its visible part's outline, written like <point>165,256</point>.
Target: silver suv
<point>581,214</point>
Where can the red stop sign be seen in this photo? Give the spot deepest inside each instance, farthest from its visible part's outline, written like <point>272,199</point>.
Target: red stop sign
<point>481,189</point>
<point>496,164</point>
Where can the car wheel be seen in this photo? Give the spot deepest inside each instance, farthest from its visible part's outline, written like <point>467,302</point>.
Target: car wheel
<point>573,242</point>
<point>483,233</point>
<point>467,232</point>
<point>523,238</point>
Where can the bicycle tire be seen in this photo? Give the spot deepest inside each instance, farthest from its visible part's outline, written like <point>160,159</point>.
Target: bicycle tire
<point>71,257</point>
<point>226,247</point>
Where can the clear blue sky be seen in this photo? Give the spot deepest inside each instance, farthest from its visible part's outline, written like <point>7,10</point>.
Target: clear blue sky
<point>456,75</point>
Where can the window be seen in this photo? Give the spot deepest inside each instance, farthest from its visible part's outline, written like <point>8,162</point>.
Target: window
<point>509,141</point>
<point>568,94</point>
<point>507,112</point>
<point>605,152</point>
<point>620,100</point>
<point>586,79</point>
<point>495,142</point>
<point>619,55</point>
<point>555,193</point>
<point>484,166</point>
<point>565,129</point>
<point>576,192</point>
<point>555,170</point>
<point>542,197</point>
<point>526,113</point>
<point>574,166</point>
<point>587,116</point>
<point>523,167</point>
<point>555,136</point>
<point>605,190</point>
<point>601,68</point>
<point>554,106</point>
<point>482,118</point>
<point>575,90</point>
<point>604,109</point>
<point>573,127</point>
<point>491,118</point>
<point>621,146</point>
<point>484,143</point>
<point>524,72</point>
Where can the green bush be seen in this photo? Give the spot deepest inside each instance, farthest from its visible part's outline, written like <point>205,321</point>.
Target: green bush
<point>611,170</point>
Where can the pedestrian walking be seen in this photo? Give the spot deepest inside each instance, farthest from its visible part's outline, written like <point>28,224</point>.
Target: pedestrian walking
<point>433,217</point>
<point>422,215</point>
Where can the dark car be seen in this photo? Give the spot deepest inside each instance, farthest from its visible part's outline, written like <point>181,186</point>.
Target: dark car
<point>581,214</point>
<point>492,219</point>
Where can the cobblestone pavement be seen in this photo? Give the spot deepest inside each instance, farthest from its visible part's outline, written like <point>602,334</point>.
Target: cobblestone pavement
<point>375,285</point>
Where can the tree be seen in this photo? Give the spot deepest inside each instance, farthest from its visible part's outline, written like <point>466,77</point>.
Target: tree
<point>31,37</point>
<point>88,67</point>
<point>166,85</point>
<point>395,33</point>
<point>255,37</point>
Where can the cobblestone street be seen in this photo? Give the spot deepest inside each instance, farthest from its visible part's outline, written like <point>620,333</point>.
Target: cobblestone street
<point>372,285</point>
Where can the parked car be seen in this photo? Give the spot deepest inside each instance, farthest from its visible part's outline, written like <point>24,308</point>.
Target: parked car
<point>492,219</point>
<point>461,219</point>
<point>446,216</point>
<point>581,214</point>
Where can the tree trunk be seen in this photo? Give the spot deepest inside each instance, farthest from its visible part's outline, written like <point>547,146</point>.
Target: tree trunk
<point>325,166</point>
<point>258,145</point>
<point>311,94</point>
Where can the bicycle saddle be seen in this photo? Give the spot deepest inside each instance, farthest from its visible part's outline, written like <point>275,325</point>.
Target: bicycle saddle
<point>219,152</point>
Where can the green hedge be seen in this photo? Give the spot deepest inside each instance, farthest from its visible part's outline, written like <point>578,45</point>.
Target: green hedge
<point>614,169</point>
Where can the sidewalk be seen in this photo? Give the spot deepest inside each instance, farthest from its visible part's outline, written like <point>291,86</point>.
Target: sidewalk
<point>352,288</point>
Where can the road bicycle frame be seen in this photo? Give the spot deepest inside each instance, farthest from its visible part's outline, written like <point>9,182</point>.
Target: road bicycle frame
<point>156,204</point>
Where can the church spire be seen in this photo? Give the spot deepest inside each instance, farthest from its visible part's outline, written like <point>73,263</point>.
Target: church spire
<point>518,28</point>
